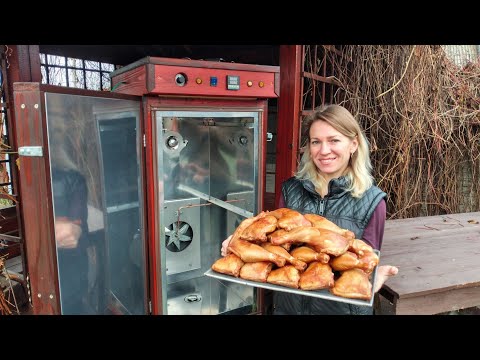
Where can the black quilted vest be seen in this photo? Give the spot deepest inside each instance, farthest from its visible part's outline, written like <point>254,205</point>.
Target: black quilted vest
<point>344,210</point>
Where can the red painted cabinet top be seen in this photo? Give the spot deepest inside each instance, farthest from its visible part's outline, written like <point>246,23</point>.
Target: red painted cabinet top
<point>185,77</point>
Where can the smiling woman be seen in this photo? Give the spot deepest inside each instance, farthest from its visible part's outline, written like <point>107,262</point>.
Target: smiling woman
<point>336,146</point>
<point>330,151</point>
<point>334,180</point>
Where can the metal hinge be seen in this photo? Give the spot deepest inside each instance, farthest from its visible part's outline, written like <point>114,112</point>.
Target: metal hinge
<point>144,141</point>
<point>150,306</point>
<point>30,151</point>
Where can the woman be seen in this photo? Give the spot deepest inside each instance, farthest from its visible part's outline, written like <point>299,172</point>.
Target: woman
<point>334,180</point>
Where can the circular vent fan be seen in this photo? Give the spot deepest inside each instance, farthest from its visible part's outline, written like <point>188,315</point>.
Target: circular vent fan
<point>178,236</point>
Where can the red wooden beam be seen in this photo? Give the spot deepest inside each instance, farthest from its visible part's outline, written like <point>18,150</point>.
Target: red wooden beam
<point>37,200</point>
<point>289,109</point>
<point>21,64</point>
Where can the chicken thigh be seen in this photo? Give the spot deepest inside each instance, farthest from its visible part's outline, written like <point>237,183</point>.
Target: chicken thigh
<point>285,276</point>
<point>257,271</point>
<point>250,252</point>
<point>317,276</point>
<point>280,251</point>
<point>229,265</point>
<point>353,284</point>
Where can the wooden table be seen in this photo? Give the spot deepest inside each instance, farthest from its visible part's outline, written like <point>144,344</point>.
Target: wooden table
<point>439,264</point>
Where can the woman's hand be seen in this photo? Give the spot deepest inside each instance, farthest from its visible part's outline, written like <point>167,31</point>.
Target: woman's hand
<point>67,233</point>
<point>383,273</point>
<point>225,243</point>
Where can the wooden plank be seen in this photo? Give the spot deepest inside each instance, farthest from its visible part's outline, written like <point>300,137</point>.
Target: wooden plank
<point>440,221</point>
<point>36,200</point>
<point>434,254</point>
<point>133,82</point>
<point>435,264</point>
<point>427,238</point>
<point>439,302</point>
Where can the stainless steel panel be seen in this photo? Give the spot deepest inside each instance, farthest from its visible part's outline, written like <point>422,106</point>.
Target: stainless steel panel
<point>182,235</point>
<point>210,157</point>
<point>323,294</point>
<point>245,200</point>
<point>208,296</point>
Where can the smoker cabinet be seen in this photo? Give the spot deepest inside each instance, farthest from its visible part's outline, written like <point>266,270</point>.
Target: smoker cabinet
<point>205,138</point>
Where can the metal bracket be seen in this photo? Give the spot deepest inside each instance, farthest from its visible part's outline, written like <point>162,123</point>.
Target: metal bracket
<point>30,151</point>
<point>218,202</point>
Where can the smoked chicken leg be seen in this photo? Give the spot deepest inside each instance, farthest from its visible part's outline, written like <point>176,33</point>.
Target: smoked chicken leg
<point>323,223</point>
<point>289,219</point>
<point>280,251</point>
<point>321,240</point>
<point>359,247</point>
<point>243,225</point>
<point>306,254</point>
<point>250,252</point>
<point>259,229</point>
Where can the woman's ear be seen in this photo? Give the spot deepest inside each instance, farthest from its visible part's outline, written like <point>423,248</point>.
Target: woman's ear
<point>354,145</point>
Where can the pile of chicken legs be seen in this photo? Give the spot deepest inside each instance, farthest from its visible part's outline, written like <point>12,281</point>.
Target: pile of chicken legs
<point>307,252</point>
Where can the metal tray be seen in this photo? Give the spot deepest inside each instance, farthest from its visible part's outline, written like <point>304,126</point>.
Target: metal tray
<point>323,294</point>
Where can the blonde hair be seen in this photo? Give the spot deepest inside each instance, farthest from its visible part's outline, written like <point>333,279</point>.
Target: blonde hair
<point>358,172</point>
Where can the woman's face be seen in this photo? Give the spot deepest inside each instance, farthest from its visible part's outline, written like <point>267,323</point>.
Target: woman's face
<point>330,150</point>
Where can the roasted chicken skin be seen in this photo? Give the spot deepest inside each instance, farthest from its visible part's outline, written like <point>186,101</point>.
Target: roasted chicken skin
<point>359,247</point>
<point>323,223</point>
<point>285,276</point>
<point>317,276</point>
<point>293,236</point>
<point>259,229</point>
<point>277,233</point>
<point>280,251</point>
<point>368,261</point>
<point>289,219</point>
<point>243,225</point>
<point>308,255</point>
<point>229,265</point>
<point>353,284</point>
<point>321,240</point>
<point>257,271</point>
<point>250,252</point>
<point>346,261</point>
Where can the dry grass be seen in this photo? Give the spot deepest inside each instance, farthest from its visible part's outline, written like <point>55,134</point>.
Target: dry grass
<point>421,113</point>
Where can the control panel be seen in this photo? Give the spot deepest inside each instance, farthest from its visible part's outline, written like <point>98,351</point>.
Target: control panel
<point>188,78</point>
<point>200,81</point>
